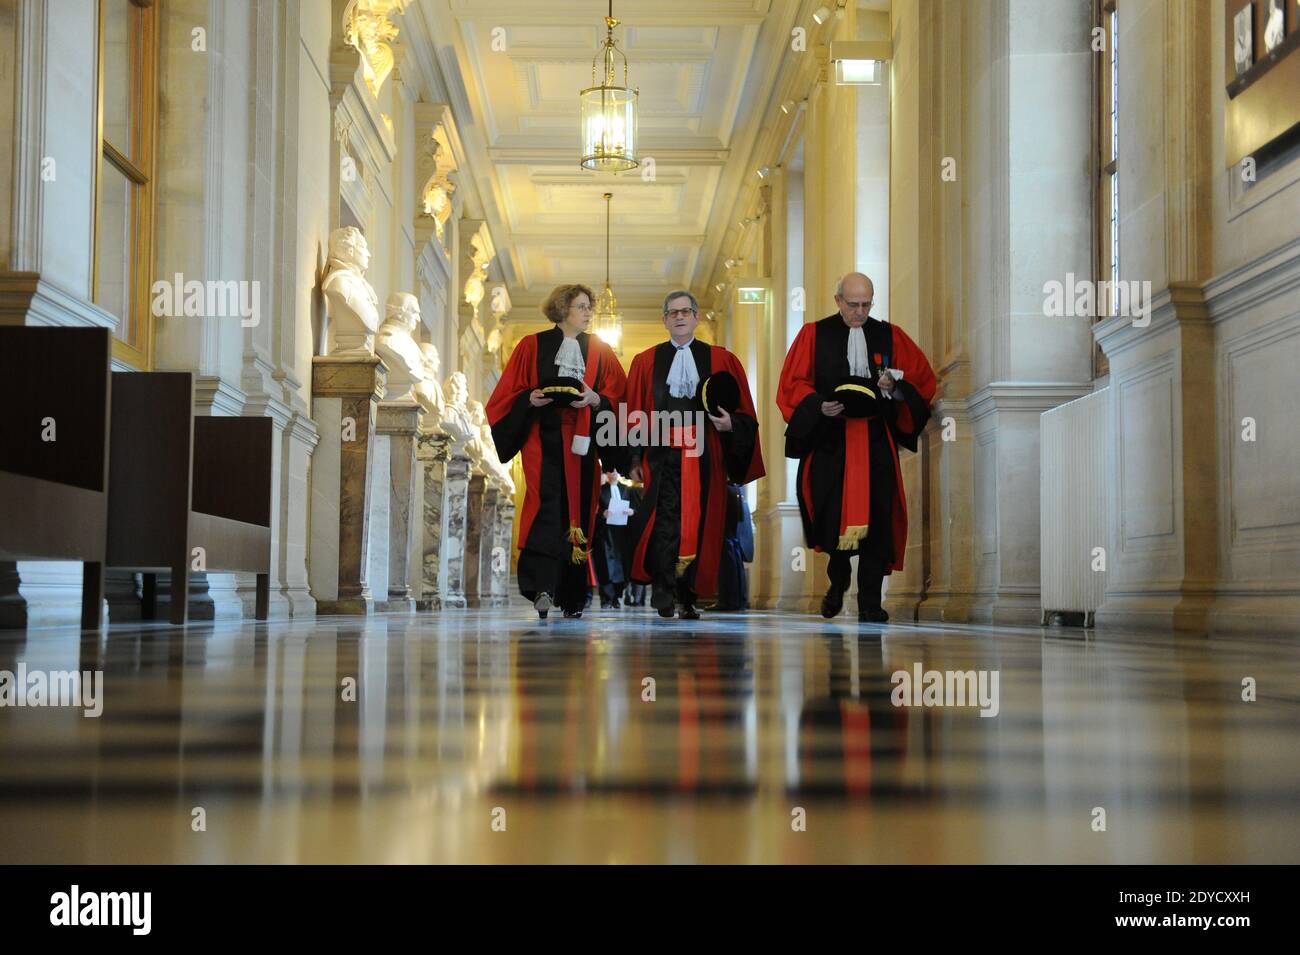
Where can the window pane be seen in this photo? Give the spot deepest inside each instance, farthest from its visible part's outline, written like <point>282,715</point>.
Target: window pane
<point>121,42</point>
<point>115,245</point>
<point>1114,86</point>
<point>1114,148</point>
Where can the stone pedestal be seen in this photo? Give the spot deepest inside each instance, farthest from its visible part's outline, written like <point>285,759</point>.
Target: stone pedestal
<point>487,548</point>
<point>1005,419</point>
<point>432,454</point>
<point>398,424</point>
<point>456,513</point>
<point>474,540</point>
<point>505,527</point>
<point>346,391</point>
<point>1162,556</point>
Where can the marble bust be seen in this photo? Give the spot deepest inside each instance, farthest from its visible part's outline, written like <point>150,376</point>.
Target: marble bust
<point>474,446</point>
<point>492,463</point>
<point>456,416</point>
<point>400,352</point>
<point>353,304</point>
<point>427,391</point>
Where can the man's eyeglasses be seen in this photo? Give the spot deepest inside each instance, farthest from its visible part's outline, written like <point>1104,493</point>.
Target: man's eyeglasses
<point>679,312</point>
<point>853,306</point>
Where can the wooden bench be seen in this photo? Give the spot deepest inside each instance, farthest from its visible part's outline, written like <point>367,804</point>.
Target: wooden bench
<point>179,482</point>
<point>55,383</point>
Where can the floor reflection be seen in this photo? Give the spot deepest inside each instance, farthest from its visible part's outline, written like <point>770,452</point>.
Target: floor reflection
<point>482,736</point>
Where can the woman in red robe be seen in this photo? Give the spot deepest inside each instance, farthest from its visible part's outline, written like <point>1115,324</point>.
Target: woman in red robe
<point>560,458</point>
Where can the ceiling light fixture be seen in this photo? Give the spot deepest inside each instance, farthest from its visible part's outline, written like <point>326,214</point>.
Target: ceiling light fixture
<point>608,111</point>
<point>606,320</point>
<point>860,62</point>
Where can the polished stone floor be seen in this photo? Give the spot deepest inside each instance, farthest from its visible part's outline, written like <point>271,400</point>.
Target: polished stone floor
<point>486,736</point>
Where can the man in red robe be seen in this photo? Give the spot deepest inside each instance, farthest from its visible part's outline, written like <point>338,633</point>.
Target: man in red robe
<point>687,460</point>
<point>850,487</point>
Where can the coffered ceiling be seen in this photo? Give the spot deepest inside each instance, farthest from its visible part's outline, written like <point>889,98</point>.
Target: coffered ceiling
<point>706,72</point>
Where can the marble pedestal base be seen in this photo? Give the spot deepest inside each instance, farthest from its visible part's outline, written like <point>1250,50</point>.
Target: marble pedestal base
<point>454,542</point>
<point>345,394</point>
<point>398,424</point>
<point>500,564</point>
<point>475,518</point>
<point>433,451</point>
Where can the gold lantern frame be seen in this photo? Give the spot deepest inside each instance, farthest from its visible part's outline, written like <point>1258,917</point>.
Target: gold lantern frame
<point>608,112</point>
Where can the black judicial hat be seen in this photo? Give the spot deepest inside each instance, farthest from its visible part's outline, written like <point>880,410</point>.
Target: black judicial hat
<point>563,390</point>
<point>719,390</point>
<point>858,395</point>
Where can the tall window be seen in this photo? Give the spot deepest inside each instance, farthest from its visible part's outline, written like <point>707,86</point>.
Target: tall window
<point>128,57</point>
<point>1107,162</point>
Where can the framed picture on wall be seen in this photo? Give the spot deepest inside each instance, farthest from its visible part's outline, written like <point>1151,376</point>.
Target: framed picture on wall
<point>1274,20</point>
<point>1243,37</point>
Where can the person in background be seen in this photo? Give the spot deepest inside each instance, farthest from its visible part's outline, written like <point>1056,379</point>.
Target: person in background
<point>737,551</point>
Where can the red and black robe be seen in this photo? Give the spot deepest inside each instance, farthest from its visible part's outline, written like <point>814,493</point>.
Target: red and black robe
<point>561,488</point>
<point>734,456</point>
<point>849,477</point>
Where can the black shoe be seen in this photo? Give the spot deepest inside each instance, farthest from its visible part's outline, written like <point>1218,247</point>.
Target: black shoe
<point>832,603</point>
<point>873,615</point>
<point>606,605</point>
<point>573,614</point>
<point>666,612</point>
<point>689,613</point>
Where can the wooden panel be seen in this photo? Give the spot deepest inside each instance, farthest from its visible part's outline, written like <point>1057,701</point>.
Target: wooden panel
<point>61,374</point>
<point>231,545</point>
<point>232,468</point>
<point>150,468</point>
<point>45,520</point>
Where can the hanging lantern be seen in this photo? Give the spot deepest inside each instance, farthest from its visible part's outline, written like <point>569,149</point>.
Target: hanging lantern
<point>606,321</point>
<point>608,112</point>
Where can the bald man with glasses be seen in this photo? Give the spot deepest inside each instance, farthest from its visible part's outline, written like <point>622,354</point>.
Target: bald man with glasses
<point>850,487</point>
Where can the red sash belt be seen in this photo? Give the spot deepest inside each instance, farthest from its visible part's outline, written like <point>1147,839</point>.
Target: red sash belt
<point>688,544</point>
<point>855,507</point>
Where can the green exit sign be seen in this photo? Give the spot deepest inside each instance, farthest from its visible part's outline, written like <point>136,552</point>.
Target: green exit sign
<point>750,296</point>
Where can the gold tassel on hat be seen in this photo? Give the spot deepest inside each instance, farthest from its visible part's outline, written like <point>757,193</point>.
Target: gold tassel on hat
<point>852,536</point>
